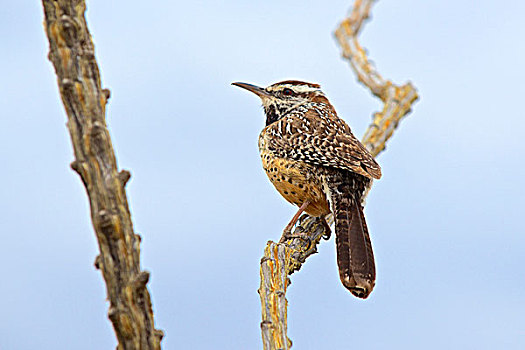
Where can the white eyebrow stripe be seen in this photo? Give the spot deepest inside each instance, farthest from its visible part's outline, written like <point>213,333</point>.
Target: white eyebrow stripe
<point>296,88</point>
<point>301,88</point>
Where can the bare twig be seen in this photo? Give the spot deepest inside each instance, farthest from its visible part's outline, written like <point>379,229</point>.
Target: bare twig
<point>281,260</point>
<point>71,51</point>
<point>397,99</point>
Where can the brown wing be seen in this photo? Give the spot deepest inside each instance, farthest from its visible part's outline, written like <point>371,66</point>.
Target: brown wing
<point>319,137</point>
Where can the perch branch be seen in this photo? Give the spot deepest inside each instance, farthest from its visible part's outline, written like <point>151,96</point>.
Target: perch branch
<point>281,260</point>
<point>71,51</point>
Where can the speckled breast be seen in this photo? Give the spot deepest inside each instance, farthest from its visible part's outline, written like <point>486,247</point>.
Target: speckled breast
<point>296,181</point>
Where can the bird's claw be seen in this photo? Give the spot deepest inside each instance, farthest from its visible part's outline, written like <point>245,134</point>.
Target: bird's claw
<point>327,231</point>
<point>287,235</point>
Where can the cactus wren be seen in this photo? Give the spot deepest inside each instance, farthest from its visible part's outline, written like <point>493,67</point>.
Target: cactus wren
<point>312,158</point>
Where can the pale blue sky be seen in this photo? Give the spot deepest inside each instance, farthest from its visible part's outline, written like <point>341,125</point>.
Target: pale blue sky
<point>446,219</point>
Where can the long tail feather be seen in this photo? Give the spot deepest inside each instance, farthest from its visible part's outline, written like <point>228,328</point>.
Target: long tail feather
<point>355,257</point>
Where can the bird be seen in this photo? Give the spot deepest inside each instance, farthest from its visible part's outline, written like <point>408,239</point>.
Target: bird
<point>315,162</point>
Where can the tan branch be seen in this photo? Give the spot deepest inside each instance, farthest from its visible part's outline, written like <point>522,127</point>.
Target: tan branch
<point>397,99</point>
<point>72,53</point>
<point>281,260</point>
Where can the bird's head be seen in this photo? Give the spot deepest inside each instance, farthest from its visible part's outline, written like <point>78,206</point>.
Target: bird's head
<point>280,98</point>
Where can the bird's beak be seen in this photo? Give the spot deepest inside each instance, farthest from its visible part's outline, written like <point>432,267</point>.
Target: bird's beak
<point>253,88</point>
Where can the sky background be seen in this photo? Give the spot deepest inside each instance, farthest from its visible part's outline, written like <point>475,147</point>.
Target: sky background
<point>446,219</point>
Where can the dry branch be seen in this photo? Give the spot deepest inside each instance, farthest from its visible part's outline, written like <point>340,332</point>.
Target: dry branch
<point>71,51</point>
<point>397,100</point>
<point>281,260</point>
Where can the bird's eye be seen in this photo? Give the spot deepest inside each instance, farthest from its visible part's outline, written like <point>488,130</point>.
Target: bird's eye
<point>287,92</point>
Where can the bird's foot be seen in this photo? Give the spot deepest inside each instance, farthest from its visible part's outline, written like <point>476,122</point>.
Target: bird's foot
<point>288,235</point>
<point>327,231</point>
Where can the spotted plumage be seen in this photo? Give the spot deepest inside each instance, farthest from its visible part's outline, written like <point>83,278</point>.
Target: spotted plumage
<point>314,161</point>
<point>314,134</point>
